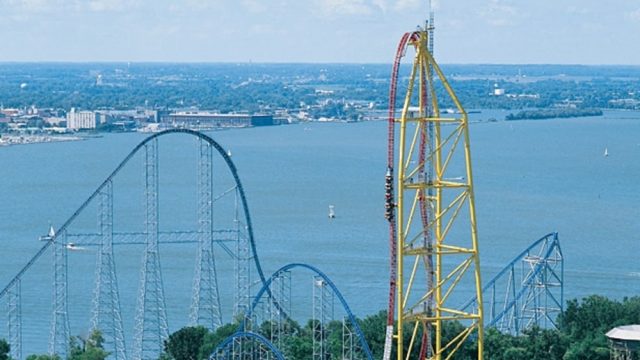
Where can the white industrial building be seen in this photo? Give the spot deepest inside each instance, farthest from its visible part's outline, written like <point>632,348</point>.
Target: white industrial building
<point>77,120</point>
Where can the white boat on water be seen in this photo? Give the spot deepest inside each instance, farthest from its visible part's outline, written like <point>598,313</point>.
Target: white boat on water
<point>606,152</point>
<point>332,213</point>
<point>74,247</point>
<point>50,235</point>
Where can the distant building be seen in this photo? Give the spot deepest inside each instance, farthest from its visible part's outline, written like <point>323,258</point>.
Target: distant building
<point>207,119</point>
<point>77,120</point>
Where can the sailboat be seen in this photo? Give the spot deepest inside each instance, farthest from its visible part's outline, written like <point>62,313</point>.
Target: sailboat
<point>332,213</point>
<point>50,235</point>
<point>606,152</point>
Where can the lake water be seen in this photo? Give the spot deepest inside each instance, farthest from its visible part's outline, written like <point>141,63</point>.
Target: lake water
<point>531,178</point>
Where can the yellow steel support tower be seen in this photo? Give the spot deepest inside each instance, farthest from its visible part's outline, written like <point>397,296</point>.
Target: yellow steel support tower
<point>436,238</point>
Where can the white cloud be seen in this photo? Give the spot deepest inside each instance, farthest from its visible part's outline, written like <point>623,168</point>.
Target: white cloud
<point>634,15</point>
<point>28,5</point>
<point>254,6</point>
<point>108,5</point>
<point>404,5</point>
<point>499,13</point>
<point>345,7</point>
<point>381,4</point>
<point>578,10</point>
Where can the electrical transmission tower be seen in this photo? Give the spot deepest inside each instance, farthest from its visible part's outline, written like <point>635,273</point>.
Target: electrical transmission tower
<point>433,234</point>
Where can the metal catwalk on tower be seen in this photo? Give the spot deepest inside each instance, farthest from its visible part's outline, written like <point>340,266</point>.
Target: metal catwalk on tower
<point>205,305</point>
<point>59,337</point>
<point>151,317</point>
<point>431,212</point>
<point>107,317</point>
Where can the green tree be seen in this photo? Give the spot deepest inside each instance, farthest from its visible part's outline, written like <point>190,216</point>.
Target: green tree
<point>374,329</point>
<point>212,339</point>
<point>89,349</point>
<point>4,350</point>
<point>185,343</point>
<point>43,357</point>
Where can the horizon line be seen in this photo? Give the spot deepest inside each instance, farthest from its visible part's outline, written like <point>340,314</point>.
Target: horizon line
<point>79,62</point>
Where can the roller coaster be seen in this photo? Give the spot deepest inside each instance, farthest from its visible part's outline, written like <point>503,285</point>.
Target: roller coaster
<point>528,291</point>
<point>221,237</point>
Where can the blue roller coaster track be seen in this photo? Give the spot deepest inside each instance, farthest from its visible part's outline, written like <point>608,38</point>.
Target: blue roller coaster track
<point>528,291</point>
<point>115,172</point>
<point>149,337</point>
<point>265,290</point>
<point>225,348</point>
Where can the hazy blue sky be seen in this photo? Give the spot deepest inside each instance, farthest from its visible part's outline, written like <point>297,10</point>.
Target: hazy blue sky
<point>468,31</point>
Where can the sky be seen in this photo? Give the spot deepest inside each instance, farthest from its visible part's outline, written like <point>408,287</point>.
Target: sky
<point>313,31</point>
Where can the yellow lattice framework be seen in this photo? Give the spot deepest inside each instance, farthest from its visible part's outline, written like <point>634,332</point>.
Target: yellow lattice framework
<point>436,239</point>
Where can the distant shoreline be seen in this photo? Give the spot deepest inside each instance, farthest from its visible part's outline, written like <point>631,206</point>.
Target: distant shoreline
<point>542,114</point>
<point>10,140</point>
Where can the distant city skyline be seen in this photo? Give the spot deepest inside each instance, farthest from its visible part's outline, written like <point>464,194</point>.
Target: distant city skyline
<point>349,31</point>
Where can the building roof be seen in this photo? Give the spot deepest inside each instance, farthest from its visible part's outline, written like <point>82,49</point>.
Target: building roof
<point>625,333</point>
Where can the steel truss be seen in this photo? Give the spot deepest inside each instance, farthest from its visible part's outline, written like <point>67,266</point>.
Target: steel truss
<point>528,291</point>
<point>434,183</point>
<point>243,257</point>
<point>260,348</point>
<point>280,307</point>
<point>324,296</point>
<point>14,320</point>
<point>59,337</point>
<point>107,317</point>
<point>323,313</point>
<point>205,305</point>
<point>151,326</point>
<point>151,317</point>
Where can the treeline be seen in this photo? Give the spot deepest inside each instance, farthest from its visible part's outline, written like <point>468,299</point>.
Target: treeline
<point>580,335</point>
<point>263,87</point>
<point>553,113</point>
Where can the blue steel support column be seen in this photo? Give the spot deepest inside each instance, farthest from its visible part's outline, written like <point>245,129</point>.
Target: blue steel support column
<point>59,338</point>
<point>106,302</point>
<point>15,320</point>
<point>205,301</point>
<point>151,317</point>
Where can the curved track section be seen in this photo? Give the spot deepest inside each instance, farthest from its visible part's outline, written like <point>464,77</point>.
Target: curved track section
<point>63,240</point>
<point>115,172</point>
<point>263,349</point>
<point>389,194</point>
<point>429,191</point>
<point>528,291</point>
<point>321,282</point>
